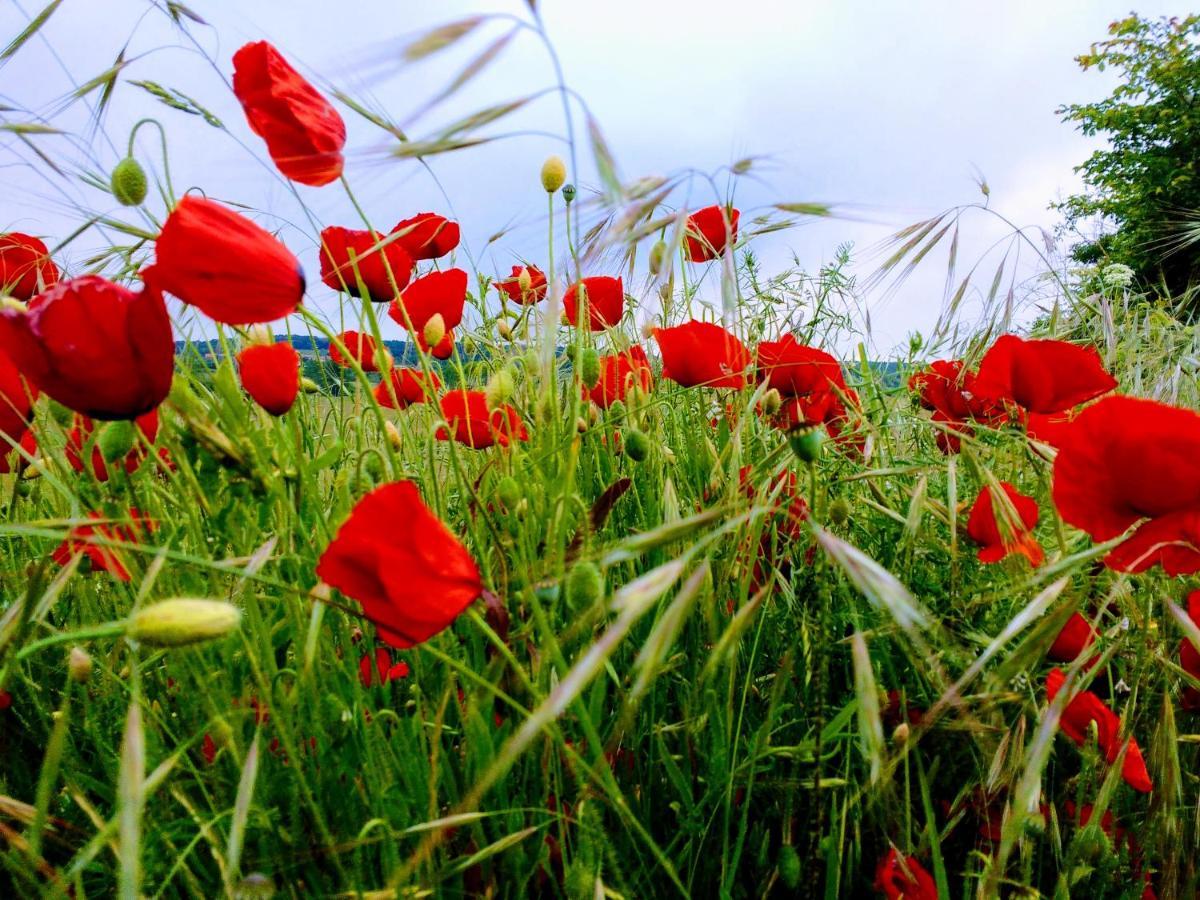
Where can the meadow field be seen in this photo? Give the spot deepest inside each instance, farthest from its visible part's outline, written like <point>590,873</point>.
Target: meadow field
<point>629,572</point>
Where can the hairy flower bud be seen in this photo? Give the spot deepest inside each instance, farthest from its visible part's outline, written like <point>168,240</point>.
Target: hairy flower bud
<point>182,621</point>
<point>585,585</point>
<point>589,367</point>
<point>116,440</point>
<point>658,253</point>
<point>128,182</point>
<point>637,445</point>
<point>772,400</point>
<point>435,330</point>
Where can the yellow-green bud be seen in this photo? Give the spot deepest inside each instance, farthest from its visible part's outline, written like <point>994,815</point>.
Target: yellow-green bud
<point>524,281</point>
<point>504,330</point>
<point>788,865</point>
<point>900,735</point>
<point>116,440</point>
<point>839,511</point>
<point>589,367</point>
<point>585,586</point>
<point>435,330</point>
<point>128,182</point>
<point>393,435</point>
<point>554,173</point>
<point>255,886</point>
<point>658,253</point>
<point>182,621</point>
<point>79,665</point>
<point>500,388</point>
<point>508,491</point>
<point>637,445</point>
<point>309,386</point>
<point>771,402</point>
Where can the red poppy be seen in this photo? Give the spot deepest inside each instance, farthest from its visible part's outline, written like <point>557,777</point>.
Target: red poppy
<point>17,397</point>
<point>1000,532</point>
<point>13,458</point>
<point>949,388</point>
<point>358,347</point>
<point>208,749</point>
<point>5,700</point>
<point>709,231</point>
<point>949,433</point>
<point>305,135</point>
<point>785,488</point>
<point>1084,709</point>
<point>511,286</point>
<point>1123,460</point>
<point>95,347</point>
<point>226,266</point>
<point>796,370</point>
<point>81,432</point>
<point>427,235</point>
<point>409,387</point>
<point>1076,636</point>
<point>477,426</point>
<point>441,350</point>
<point>900,877</point>
<point>352,261</point>
<point>387,670</point>
<point>605,299</point>
<point>26,269</point>
<point>1043,376</point>
<point>395,557</point>
<point>701,354</point>
<point>443,293</point>
<point>898,711</point>
<point>620,373</point>
<point>1189,656</point>
<point>95,541</point>
<point>270,374</point>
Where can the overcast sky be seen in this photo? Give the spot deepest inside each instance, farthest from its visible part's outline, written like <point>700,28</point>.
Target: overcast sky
<point>888,108</point>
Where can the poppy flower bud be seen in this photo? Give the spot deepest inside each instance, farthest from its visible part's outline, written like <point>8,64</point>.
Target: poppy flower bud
<point>554,173</point>
<point>805,442</point>
<point>393,434</point>
<point>771,402</point>
<point>500,388</point>
<point>616,410</point>
<point>589,367</point>
<point>585,585</point>
<point>504,330</point>
<point>658,253</point>
<point>900,735</point>
<point>79,665</point>
<point>116,440</point>
<point>839,511</point>
<point>309,386</point>
<point>524,281</point>
<point>508,491</point>
<point>637,445</point>
<point>568,192</point>
<point>788,865</point>
<point>128,182</point>
<point>581,424</point>
<point>434,330</point>
<point>178,622</point>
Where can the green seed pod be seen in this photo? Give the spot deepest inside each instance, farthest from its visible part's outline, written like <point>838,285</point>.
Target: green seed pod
<point>839,511</point>
<point>585,585</point>
<point>589,367</point>
<point>508,491</point>
<point>116,440</point>
<point>789,866</point>
<point>805,442</point>
<point>568,192</point>
<point>658,253</point>
<point>128,182</point>
<point>178,622</point>
<point>616,411</point>
<point>637,445</point>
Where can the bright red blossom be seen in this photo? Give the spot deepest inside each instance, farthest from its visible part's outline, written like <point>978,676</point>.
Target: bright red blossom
<point>438,293</point>
<point>1041,376</point>
<point>605,299</point>
<point>511,286</point>
<point>1189,656</point>
<point>900,877</point>
<point>361,264</point>
<point>17,397</point>
<point>1076,636</point>
<point>94,346</point>
<point>396,558</point>
<point>442,349</point>
<point>25,266</point>
<point>383,670</point>
<point>620,373</point>
<point>359,348</point>
<point>796,370</point>
<point>409,387</point>
<point>701,354</point>
<point>270,374</point>
<point>1123,460</point>
<point>1004,528</point>
<point>223,264</point>
<point>305,135</point>
<point>474,424</point>
<point>709,232</point>
<point>1086,709</point>
<point>427,235</point>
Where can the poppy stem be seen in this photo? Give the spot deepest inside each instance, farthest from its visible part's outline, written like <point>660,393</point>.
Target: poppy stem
<point>108,629</point>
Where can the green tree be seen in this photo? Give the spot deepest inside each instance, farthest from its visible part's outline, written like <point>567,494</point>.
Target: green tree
<point>1143,187</point>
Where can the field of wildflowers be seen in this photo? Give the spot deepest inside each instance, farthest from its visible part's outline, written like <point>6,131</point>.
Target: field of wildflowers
<point>561,606</point>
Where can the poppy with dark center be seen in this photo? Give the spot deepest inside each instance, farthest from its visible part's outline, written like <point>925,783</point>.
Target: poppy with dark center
<point>409,386</point>
<point>364,263</point>
<point>223,264</point>
<point>438,293</point>
<point>80,436</point>
<point>1076,636</point>
<point>1189,655</point>
<point>96,347</point>
<point>605,299</point>
<point>1124,460</point>
<point>1041,376</point>
<point>1003,526</point>
<point>701,354</point>
<point>270,374</point>
<point>900,877</point>
<point>1083,711</point>
<point>351,347</point>
<point>96,539</point>
<point>709,232</point>
<point>477,426</point>
<point>411,575</point>
<point>25,266</point>
<point>532,293</point>
<point>619,374</point>
<point>17,397</point>
<point>378,668</point>
<point>304,134</point>
<point>427,235</point>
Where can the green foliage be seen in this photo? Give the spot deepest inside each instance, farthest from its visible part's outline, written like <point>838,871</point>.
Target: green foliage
<point>1144,185</point>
